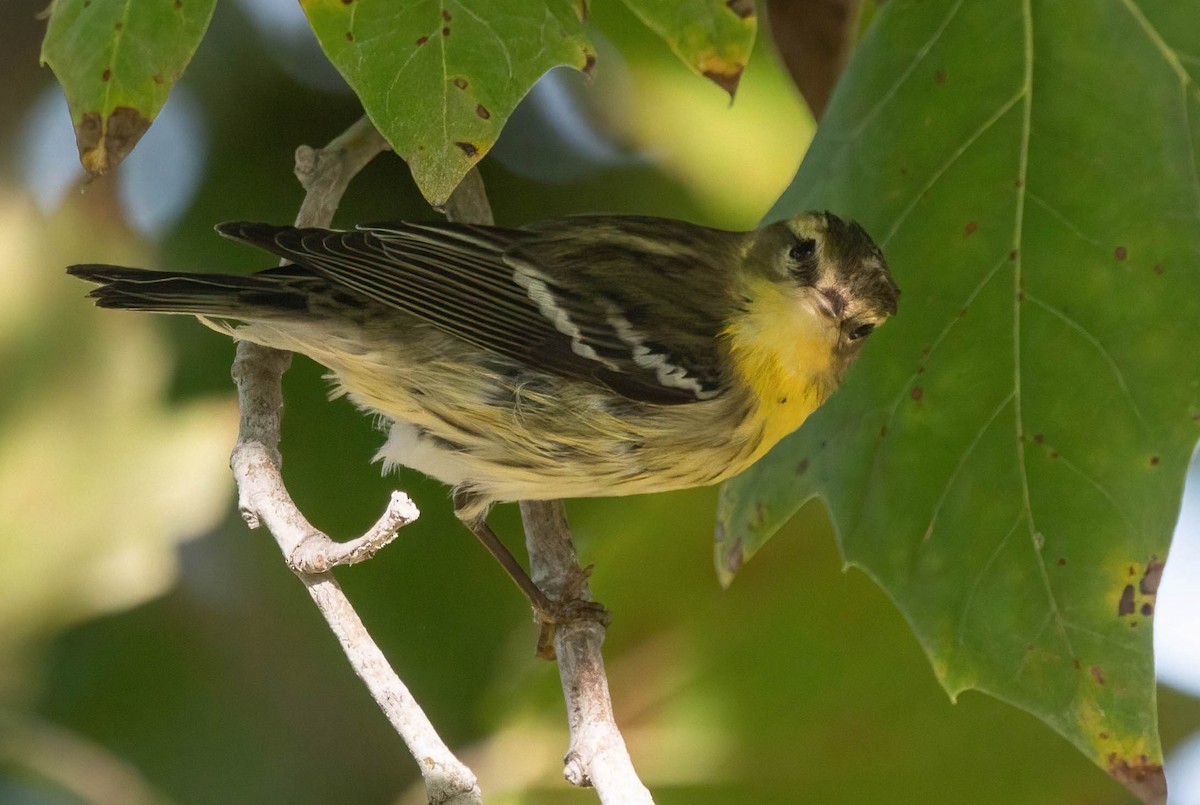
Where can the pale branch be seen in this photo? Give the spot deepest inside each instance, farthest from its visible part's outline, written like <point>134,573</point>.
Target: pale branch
<point>263,499</point>
<point>596,755</point>
<point>469,203</point>
<point>326,172</point>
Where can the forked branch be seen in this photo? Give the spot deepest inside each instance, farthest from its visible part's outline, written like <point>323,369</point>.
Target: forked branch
<point>263,499</point>
<point>597,755</point>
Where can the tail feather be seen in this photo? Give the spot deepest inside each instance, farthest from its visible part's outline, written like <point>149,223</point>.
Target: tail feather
<point>216,295</point>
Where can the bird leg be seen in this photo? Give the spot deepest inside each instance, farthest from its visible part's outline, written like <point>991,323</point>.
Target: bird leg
<point>547,612</point>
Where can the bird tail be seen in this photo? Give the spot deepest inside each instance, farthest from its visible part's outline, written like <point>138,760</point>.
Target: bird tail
<point>261,296</point>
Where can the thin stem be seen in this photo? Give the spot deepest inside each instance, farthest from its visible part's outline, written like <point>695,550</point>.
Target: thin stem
<point>597,755</point>
<point>262,497</point>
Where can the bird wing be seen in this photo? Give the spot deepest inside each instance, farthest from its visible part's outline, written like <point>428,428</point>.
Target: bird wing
<point>635,304</point>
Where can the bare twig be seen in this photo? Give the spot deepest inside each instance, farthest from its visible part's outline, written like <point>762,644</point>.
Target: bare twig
<point>596,755</point>
<point>469,202</point>
<point>324,173</point>
<point>262,497</point>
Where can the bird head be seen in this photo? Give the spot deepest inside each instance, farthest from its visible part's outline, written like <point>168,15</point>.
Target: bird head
<point>834,269</point>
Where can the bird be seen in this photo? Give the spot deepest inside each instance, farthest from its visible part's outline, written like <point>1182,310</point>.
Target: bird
<point>583,356</point>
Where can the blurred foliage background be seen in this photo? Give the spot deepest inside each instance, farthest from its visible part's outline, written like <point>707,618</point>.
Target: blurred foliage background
<point>154,650</point>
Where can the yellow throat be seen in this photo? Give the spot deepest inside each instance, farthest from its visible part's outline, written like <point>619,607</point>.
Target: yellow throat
<point>783,349</point>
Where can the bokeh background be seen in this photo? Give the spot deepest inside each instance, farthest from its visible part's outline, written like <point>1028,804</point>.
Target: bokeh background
<point>154,650</point>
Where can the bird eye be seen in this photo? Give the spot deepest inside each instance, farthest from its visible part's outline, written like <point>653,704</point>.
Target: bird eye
<point>861,331</point>
<point>803,250</point>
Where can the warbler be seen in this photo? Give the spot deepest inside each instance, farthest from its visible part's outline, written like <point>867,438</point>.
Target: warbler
<point>581,356</point>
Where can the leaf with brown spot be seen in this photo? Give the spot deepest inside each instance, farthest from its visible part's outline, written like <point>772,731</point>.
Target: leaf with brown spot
<point>111,57</point>
<point>424,72</point>
<point>1152,577</point>
<point>712,37</point>
<point>1146,780</point>
<point>1128,604</point>
<point>960,514</point>
<point>100,140</point>
<point>724,75</point>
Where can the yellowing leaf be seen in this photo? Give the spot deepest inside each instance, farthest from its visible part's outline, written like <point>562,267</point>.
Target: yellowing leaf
<point>117,61</point>
<point>712,37</point>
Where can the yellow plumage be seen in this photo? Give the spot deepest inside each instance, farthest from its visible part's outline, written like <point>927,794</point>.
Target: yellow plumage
<point>785,357</point>
<point>578,357</point>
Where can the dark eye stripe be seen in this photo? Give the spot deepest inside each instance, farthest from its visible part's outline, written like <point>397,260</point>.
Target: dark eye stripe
<point>803,250</point>
<point>861,331</point>
<point>802,261</point>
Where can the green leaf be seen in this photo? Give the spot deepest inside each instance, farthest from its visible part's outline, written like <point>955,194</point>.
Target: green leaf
<point>117,61</point>
<point>439,79</point>
<point>712,37</point>
<point>1007,458</point>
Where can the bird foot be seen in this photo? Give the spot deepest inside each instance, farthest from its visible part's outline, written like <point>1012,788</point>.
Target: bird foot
<point>571,608</point>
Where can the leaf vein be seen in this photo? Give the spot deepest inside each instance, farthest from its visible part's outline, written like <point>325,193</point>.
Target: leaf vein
<point>1187,124</point>
<point>918,57</point>
<point>937,342</point>
<point>118,39</point>
<point>1096,344</point>
<point>1065,221</point>
<point>445,78</point>
<point>1136,650</point>
<point>1018,237</point>
<point>499,39</point>
<point>1166,51</point>
<point>962,463</point>
<point>1070,465</point>
<point>945,166</point>
<point>969,601</point>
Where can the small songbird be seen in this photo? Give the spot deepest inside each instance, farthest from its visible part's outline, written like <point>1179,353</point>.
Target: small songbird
<point>582,356</point>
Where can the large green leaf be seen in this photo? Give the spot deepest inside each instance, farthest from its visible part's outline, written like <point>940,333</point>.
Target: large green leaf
<point>439,78</point>
<point>116,61</point>
<point>712,37</point>
<point>1007,458</point>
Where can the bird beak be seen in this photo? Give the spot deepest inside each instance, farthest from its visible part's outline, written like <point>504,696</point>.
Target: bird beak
<point>831,303</point>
